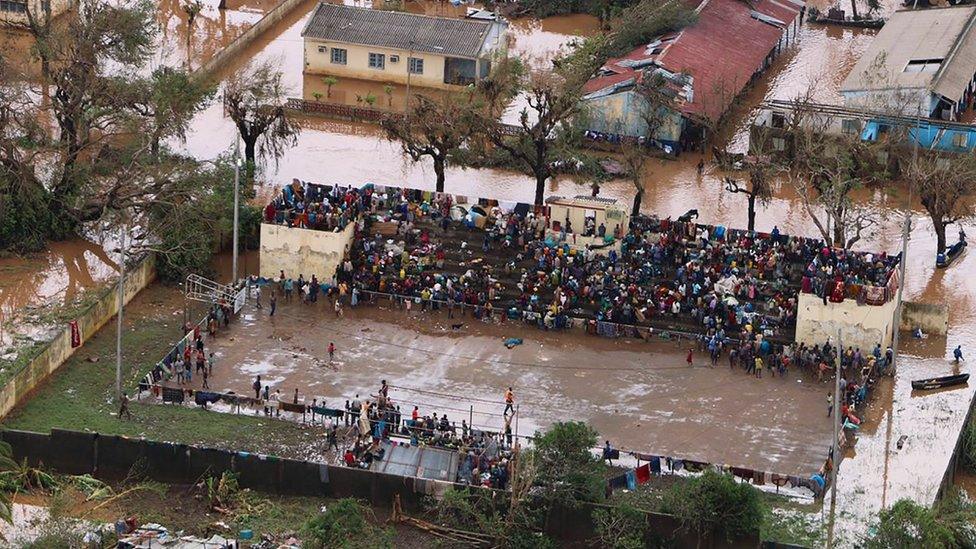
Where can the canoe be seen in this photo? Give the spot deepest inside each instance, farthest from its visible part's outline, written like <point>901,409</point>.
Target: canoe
<point>943,260</point>
<point>939,382</point>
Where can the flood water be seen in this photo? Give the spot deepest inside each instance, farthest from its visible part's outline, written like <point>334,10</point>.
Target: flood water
<point>351,154</point>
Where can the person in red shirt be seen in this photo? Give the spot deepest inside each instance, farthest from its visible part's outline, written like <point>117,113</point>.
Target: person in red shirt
<point>689,358</point>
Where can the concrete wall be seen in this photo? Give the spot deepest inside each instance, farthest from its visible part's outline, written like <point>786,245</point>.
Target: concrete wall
<point>861,325</point>
<point>112,457</point>
<point>57,351</point>
<point>303,251</point>
<point>933,318</point>
<point>318,60</point>
<point>621,113</point>
<point>226,55</point>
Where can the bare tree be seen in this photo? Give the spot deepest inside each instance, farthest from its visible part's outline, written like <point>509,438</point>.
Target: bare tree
<point>191,8</point>
<point>433,128</point>
<point>254,98</point>
<point>759,189</point>
<point>945,183</point>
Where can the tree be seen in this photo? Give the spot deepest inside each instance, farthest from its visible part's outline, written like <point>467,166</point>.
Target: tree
<point>254,98</point>
<point>908,524</point>
<point>715,505</point>
<point>346,524</point>
<point>552,98</point>
<point>191,8</point>
<point>171,98</point>
<point>317,96</point>
<point>944,183</point>
<point>567,471</point>
<point>433,128</point>
<point>329,81</point>
<point>388,90</point>
<point>759,190</point>
<point>654,112</point>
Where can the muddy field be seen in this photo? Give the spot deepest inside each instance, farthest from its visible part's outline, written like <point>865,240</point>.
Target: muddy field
<point>641,395</point>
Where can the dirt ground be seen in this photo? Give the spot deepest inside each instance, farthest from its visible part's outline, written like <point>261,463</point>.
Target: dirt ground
<point>640,395</point>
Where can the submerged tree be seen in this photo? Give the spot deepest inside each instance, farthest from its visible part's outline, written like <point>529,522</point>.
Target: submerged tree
<point>95,151</point>
<point>945,184</point>
<point>433,128</point>
<point>191,8</point>
<point>907,524</point>
<point>759,190</point>
<point>552,99</point>
<point>254,98</point>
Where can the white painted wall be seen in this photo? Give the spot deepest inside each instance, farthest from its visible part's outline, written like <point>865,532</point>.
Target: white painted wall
<point>861,325</point>
<point>303,251</point>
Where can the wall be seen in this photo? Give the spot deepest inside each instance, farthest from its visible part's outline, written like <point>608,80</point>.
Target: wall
<point>621,113</point>
<point>226,55</point>
<point>861,325</point>
<point>114,457</point>
<point>357,64</point>
<point>57,351</point>
<point>933,318</point>
<point>303,251</point>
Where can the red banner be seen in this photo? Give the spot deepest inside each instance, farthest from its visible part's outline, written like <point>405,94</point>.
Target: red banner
<point>75,334</point>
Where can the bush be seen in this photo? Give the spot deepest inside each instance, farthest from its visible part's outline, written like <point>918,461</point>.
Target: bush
<point>493,514</point>
<point>567,469</point>
<point>907,524</point>
<point>621,527</point>
<point>346,524</point>
<point>715,504</point>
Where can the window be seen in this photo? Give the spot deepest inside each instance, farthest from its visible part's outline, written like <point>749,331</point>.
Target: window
<point>851,126</point>
<point>960,140</point>
<point>377,61</point>
<point>339,56</point>
<point>779,120</point>
<point>415,65</point>
<point>923,65</point>
<point>779,144</point>
<point>13,6</point>
<point>323,49</point>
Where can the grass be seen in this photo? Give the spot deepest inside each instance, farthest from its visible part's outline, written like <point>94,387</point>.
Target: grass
<point>79,396</point>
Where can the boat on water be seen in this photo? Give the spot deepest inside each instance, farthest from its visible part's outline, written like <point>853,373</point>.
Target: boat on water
<point>939,382</point>
<point>947,257</point>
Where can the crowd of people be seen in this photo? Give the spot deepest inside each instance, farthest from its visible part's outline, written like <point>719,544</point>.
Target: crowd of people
<point>710,280</point>
<point>318,207</point>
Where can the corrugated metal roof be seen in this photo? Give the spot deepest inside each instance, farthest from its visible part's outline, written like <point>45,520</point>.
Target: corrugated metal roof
<point>720,52</point>
<point>398,30</point>
<point>945,34</point>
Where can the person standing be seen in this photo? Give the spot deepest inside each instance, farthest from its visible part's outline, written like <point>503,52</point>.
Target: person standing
<point>690,358</point>
<point>333,438</point>
<point>257,387</point>
<point>509,402</point>
<point>124,407</point>
<point>274,303</point>
<point>331,352</point>
<point>206,377</point>
<point>957,353</point>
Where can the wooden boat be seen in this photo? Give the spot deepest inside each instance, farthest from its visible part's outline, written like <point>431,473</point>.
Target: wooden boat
<point>946,258</point>
<point>939,382</point>
<point>853,23</point>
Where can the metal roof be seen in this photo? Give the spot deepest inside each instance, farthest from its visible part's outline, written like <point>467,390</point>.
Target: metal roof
<point>398,30</point>
<point>719,53</point>
<point>944,36</point>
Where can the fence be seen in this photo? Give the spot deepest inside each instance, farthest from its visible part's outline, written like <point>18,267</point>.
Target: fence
<point>59,349</point>
<point>359,113</point>
<point>113,457</point>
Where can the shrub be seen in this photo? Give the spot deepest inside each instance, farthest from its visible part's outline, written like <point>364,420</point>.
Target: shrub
<point>715,504</point>
<point>346,524</point>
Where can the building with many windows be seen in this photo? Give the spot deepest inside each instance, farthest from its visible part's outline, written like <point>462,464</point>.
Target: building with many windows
<point>397,47</point>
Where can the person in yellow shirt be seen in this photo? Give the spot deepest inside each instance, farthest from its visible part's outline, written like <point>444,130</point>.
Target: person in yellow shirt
<point>759,366</point>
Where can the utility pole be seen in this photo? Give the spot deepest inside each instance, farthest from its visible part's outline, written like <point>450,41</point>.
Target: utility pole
<point>118,326</point>
<point>835,448</point>
<point>406,100</point>
<point>237,186</point>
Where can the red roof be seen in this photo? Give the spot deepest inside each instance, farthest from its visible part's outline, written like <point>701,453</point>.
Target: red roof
<point>721,51</point>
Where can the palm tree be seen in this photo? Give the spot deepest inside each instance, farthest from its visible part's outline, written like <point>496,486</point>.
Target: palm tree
<point>329,81</point>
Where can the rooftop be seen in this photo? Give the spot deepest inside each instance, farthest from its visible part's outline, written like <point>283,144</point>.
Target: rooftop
<point>719,54</point>
<point>398,30</point>
<point>932,49</point>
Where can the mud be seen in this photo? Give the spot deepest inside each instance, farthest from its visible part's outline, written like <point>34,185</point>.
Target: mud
<point>640,395</point>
